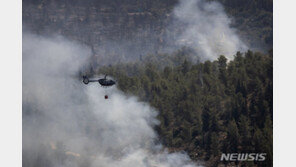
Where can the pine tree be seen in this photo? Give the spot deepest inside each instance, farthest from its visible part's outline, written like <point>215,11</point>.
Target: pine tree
<point>232,136</point>
<point>222,62</point>
<point>214,146</point>
<point>245,133</point>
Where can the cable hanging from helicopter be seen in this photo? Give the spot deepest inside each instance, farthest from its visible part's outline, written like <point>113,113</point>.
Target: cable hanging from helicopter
<point>103,82</point>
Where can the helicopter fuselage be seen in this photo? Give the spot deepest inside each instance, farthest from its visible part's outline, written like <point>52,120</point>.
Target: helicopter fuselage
<point>106,82</point>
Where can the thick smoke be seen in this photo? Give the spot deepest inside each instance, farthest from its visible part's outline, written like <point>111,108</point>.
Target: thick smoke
<point>68,124</point>
<point>206,28</point>
<point>197,24</point>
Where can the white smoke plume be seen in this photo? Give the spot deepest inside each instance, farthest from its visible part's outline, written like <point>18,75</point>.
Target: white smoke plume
<point>69,124</point>
<point>198,24</point>
<point>206,28</point>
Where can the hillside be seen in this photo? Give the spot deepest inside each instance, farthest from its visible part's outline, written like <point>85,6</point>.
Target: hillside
<point>112,27</point>
<point>207,108</point>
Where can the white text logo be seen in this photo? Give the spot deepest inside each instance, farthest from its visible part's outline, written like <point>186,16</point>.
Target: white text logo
<point>243,157</point>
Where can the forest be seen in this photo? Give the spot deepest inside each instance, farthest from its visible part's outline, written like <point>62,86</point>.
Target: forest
<point>206,108</point>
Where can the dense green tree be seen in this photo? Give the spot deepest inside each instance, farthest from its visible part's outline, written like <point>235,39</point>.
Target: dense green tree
<point>206,108</point>
<point>222,69</point>
<point>245,133</point>
<point>232,136</point>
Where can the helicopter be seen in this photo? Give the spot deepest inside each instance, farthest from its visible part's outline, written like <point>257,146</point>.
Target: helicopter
<point>103,82</point>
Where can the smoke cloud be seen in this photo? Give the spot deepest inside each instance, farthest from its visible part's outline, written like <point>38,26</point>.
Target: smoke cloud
<point>69,124</point>
<point>197,24</point>
<point>206,28</point>
<point>200,25</point>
